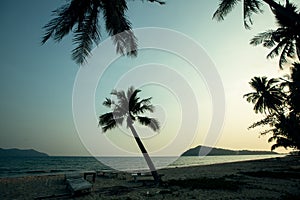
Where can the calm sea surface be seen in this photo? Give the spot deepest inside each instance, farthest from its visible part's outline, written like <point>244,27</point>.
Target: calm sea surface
<point>15,167</point>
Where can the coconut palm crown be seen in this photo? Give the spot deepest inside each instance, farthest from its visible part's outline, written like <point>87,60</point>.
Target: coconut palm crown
<point>128,108</point>
<point>267,97</point>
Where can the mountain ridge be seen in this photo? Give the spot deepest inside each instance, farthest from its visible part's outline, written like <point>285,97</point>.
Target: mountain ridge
<point>214,151</point>
<point>15,152</point>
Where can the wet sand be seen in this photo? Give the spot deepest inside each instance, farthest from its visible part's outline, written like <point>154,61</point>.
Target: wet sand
<point>276,178</point>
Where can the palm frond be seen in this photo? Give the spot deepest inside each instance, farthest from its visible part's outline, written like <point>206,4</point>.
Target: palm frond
<point>67,16</point>
<point>150,122</point>
<point>86,33</point>
<point>282,142</point>
<point>272,82</point>
<point>119,27</point>
<point>119,94</point>
<point>251,97</point>
<point>132,92</point>
<point>283,55</point>
<point>158,1</point>
<point>269,119</point>
<point>107,121</point>
<point>110,120</point>
<point>276,51</point>
<point>84,14</point>
<point>250,7</point>
<point>108,102</point>
<point>224,8</point>
<point>142,106</point>
<point>262,37</point>
<point>133,98</point>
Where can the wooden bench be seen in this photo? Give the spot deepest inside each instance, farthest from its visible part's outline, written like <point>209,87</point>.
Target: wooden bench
<point>141,176</point>
<point>77,184</point>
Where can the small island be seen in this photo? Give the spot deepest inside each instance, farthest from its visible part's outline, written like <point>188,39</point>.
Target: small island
<point>21,153</point>
<point>222,152</point>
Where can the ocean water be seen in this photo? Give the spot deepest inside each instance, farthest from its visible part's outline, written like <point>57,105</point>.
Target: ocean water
<point>16,167</point>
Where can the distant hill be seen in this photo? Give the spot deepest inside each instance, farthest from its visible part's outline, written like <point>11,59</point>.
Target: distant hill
<point>21,153</point>
<point>222,152</point>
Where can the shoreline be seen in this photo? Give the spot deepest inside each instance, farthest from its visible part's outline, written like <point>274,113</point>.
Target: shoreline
<point>273,178</point>
<point>198,161</point>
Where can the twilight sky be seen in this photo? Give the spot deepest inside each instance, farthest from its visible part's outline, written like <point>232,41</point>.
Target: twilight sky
<point>37,81</point>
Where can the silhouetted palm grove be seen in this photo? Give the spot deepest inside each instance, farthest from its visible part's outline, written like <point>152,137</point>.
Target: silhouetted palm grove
<point>129,109</point>
<point>277,99</point>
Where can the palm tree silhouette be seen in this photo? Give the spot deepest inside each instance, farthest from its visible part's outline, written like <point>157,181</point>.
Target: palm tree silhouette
<point>129,108</point>
<point>82,17</point>
<point>286,38</point>
<point>252,7</point>
<point>267,97</point>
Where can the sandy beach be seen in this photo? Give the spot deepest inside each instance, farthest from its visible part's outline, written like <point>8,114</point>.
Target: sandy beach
<point>276,178</point>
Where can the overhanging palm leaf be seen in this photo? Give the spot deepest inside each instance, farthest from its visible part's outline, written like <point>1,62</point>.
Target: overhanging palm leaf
<point>128,108</point>
<point>81,17</point>
<point>250,7</point>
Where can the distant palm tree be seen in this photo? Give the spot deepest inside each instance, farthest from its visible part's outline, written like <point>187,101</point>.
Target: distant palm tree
<point>286,38</point>
<point>250,7</point>
<point>267,97</point>
<point>82,18</point>
<point>128,108</point>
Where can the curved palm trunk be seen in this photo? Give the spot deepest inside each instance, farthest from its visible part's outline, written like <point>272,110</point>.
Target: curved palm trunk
<point>145,154</point>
